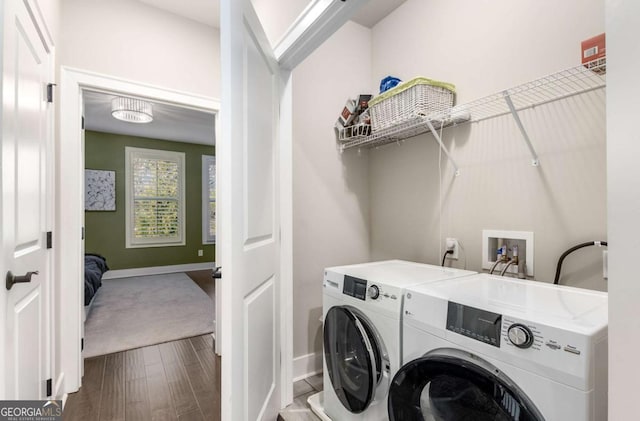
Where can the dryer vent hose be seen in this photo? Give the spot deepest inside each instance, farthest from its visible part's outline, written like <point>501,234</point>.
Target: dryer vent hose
<point>571,250</point>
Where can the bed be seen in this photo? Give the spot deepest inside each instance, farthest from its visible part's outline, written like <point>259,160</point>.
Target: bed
<point>94,267</point>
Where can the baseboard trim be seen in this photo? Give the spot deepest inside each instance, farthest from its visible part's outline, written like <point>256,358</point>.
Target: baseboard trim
<point>157,270</point>
<point>307,365</point>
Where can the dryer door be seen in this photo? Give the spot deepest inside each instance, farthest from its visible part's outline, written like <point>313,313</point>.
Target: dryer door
<point>353,357</point>
<point>452,385</point>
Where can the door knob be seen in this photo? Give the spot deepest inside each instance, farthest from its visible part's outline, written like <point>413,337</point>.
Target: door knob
<point>13,279</point>
<point>217,273</point>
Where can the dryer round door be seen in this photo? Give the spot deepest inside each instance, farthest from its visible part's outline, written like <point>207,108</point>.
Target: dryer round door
<point>452,385</point>
<point>353,357</point>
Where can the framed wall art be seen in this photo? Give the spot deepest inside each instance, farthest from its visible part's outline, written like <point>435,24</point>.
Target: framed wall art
<point>100,190</point>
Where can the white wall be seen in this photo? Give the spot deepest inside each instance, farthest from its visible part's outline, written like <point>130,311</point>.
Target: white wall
<point>623,150</point>
<point>131,40</point>
<point>138,42</point>
<point>484,47</point>
<point>330,190</point>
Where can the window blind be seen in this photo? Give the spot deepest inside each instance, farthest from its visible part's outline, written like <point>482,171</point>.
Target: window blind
<point>212,198</point>
<point>156,198</point>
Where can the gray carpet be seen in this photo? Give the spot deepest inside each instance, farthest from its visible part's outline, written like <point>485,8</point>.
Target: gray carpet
<point>145,310</point>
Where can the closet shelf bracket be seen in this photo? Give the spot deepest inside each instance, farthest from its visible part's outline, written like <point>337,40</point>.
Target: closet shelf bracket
<point>436,135</point>
<point>535,161</point>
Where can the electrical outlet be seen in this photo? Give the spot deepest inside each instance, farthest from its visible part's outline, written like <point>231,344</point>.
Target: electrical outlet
<point>452,244</point>
<point>200,253</point>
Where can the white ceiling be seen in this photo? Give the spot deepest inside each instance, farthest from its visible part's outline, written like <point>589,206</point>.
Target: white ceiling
<point>208,11</point>
<point>172,123</point>
<point>375,10</point>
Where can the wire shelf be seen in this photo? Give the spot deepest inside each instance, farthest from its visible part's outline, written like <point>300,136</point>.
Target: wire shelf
<point>564,84</point>
<point>560,85</point>
<point>392,134</point>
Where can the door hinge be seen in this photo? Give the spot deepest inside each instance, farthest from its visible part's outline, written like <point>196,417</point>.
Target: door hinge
<point>82,235</point>
<point>49,387</point>
<point>49,239</point>
<point>50,92</point>
<point>82,344</point>
<point>82,122</point>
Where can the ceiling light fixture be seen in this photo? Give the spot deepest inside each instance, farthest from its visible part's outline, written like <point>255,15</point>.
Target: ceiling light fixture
<point>131,110</point>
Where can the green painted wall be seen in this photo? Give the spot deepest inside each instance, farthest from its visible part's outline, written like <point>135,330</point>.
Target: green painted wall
<point>105,231</point>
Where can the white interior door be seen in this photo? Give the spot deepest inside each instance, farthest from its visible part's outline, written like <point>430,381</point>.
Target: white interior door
<point>249,217</point>
<point>26,137</point>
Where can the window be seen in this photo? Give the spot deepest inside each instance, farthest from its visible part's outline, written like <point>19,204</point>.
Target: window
<point>154,198</point>
<point>208,199</point>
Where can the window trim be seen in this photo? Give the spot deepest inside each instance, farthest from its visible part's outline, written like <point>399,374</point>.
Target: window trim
<point>206,238</point>
<point>179,157</point>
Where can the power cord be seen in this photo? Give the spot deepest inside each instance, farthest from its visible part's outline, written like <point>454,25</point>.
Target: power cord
<point>444,256</point>
<point>571,250</point>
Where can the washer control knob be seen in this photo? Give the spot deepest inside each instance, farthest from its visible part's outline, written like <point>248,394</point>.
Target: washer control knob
<point>374,292</point>
<point>520,335</point>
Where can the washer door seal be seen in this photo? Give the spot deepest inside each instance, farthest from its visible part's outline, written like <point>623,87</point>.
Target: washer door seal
<point>453,385</point>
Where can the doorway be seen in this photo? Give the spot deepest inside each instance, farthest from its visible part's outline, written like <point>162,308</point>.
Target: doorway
<point>75,84</point>
<point>149,218</point>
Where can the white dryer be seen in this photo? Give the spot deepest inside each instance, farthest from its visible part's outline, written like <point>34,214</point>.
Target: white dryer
<point>362,307</point>
<point>492,348</point>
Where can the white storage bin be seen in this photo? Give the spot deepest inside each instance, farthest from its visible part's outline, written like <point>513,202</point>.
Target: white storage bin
<point>419,97</point>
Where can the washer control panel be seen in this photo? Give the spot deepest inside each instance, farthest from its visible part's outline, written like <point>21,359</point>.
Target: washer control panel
<point>481,325</point>
<point>364,290</point>
<point>507,332</point>
<point>354,287</point>
<point>527,335</point>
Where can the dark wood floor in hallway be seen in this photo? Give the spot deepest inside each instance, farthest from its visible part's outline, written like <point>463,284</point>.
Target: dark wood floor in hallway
<point>177,380</point>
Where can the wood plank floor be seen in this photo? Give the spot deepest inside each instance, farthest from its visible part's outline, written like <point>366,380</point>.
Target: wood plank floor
<point>177,380</point>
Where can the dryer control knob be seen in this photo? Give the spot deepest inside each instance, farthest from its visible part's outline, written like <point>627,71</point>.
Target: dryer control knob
<point>374,292</point>
<point>520,335</point>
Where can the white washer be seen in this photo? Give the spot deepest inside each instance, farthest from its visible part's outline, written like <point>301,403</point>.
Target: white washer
<point>493,348</point>
<point>362,308</point>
